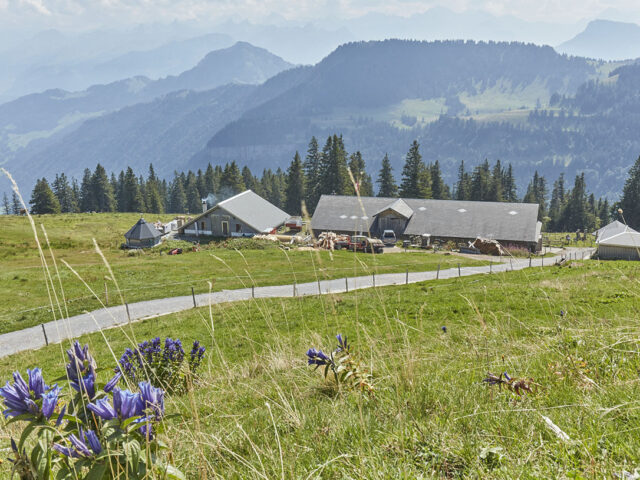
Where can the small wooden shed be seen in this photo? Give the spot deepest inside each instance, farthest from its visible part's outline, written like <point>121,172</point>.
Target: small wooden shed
<point>142,235</point>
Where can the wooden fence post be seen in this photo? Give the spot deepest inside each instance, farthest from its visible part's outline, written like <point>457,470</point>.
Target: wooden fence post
<point>253,291</point>
<point>346,284</point>
<point>407,278</point>
<point>193,295</point>
<point>373,275</point>
<point>128,315</point>
<point>319,288</point>
<point>438,273</point>
<point>459,273</point>
<point>46,340</point>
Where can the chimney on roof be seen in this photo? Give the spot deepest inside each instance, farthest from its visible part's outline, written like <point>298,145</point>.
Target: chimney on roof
<point>204,205</point>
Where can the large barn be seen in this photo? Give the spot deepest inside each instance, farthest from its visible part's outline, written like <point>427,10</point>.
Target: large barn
<point>460,221</point>
<point>243,215</point>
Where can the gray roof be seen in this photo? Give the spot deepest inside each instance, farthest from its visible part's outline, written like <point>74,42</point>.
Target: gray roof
<point>400,207</point>
<point>629,239</point>
<point>614,228</point>
<point>252,209</point>
<point>142,231</point>
<point>440,218</point>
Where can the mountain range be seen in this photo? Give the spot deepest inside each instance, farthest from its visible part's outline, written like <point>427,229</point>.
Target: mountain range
<point>462,100</point>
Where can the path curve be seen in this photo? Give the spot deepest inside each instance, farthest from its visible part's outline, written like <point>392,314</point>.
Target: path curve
<point>56,331</point>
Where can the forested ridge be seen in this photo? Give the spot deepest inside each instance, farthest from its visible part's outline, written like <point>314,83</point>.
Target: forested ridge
<point>329,169</point>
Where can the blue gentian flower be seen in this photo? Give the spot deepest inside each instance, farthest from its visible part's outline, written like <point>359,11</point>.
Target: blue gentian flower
<point>81,370</point>
<point>103,409</point>
<point>506,375</point>
<point>113,382</point>
<point>153,398</point>
<point>49,402</point>
<point>61,416</point>
<point>342,343</point>
<point>317,357</point>
<point>127,404</point>
<point>444,329</point>
<point>85,445</point>
<point>20,398</point>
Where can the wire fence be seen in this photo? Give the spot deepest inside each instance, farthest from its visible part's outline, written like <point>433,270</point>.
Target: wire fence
<point>324,274</point>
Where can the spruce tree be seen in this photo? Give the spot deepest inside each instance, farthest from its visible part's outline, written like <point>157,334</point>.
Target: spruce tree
<point>295,187</point>
<point>360,175</point>
<point>65,195</point>
<point>101,191</point>
<point>131,197</point>
<point>463,186</point>
<point>496,183</point>
<point>312,175</point>
<point>231,182</point>
<point>153,197</point>
<point>43,201</point>
<point>16,206</point>
<point>438,187</point>
<point>334,178</point>
<point>210,183</point>
<point>509,186</point>
<point>177,197</point>
<point>87,200</point>
<point>630,201</point>
<point>249,180</point>
<point>387,183</point>
<point>557,205</point>
<point>5,204</point>
<point>194,199</point>
<point>415,175</point>
<point>480,182</point>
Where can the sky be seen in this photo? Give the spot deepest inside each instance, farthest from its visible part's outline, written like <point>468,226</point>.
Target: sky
<point>79,14</point>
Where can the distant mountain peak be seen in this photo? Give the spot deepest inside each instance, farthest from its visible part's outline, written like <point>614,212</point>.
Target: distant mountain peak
<point>606,40</point>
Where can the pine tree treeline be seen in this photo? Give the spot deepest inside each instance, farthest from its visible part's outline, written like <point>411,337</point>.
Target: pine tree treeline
<point>326,170</point>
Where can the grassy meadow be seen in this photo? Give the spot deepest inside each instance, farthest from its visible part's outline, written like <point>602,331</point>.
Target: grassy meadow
<point>260,412</point>
<point>24,297</point>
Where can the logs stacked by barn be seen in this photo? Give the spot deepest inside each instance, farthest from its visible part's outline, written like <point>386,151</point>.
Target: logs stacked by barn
<point>488,247</point>
<point>327,240</point>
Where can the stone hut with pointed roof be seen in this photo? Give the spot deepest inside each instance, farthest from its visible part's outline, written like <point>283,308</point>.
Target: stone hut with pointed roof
<point>514,224</point>
<point>142,235</point>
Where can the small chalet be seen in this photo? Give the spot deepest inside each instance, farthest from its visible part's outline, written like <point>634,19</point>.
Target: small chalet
<point>243,215</point>
<point>142,235</point>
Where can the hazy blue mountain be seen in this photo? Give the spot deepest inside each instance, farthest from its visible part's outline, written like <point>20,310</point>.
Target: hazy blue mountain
<point>605,39</point>
<point>52,113</point>
<point>167,131</point>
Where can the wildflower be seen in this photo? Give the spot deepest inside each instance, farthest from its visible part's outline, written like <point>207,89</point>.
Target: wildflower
<point>81,370</point>
<point>562,313</point>
<point>85,445</point>
<point>444,329</point>
<point>317,357</point>
<point>21,398</point>
<point>342,343</point>
<point>127,404</point>
<point>113,382</point>
<point>196,354</point>
<point>153,398</point>
<point>506,376</point>
<point>61,416</point>
<point>103,409</point>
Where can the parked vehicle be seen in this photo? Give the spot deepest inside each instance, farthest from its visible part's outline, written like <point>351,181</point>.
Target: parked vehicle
<point>389,238</point>
<point>361,243</point>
